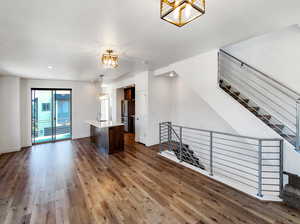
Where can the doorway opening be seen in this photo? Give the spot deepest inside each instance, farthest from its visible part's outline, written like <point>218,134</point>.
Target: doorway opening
<point>51,115</point>
<point>128,110</point>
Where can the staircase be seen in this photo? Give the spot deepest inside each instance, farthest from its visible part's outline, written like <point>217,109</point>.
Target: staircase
<point>269,100</point>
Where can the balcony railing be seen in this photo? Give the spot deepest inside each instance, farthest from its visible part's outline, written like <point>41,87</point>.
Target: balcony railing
<point>255,163</point>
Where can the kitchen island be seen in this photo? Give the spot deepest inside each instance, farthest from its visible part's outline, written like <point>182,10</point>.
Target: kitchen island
<point>107,136</point>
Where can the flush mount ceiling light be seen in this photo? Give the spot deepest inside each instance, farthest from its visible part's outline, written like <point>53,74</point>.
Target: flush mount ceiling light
<point>181,12</point>
<point>109,59</point>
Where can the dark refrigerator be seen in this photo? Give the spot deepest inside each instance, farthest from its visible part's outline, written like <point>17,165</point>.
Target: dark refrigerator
<point>127,115</point>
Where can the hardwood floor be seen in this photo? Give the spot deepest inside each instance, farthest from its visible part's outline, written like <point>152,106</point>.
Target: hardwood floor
<point>69,182</point>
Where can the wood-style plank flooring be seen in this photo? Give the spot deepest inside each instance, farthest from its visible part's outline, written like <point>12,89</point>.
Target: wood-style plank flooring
<point>69,182</point>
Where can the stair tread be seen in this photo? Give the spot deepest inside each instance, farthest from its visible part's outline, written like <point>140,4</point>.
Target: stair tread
<point>266,118</point>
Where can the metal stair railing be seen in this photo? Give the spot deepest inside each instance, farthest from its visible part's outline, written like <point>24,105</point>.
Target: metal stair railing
<point>253,163</point>
<point>271,96</point>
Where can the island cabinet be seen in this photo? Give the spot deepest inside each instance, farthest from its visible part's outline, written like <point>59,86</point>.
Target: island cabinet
<point>108,137</point>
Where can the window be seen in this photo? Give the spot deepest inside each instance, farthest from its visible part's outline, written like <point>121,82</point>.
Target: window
<point>46,107</point>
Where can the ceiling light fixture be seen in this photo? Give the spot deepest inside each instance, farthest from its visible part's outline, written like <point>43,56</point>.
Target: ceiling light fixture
<point>50,67</point>
<point>181,12</point>
<point>109,59</point>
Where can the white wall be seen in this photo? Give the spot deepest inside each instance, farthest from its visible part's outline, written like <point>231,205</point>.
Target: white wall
<point>10,139</point>
<point>189,109</point>
<point>160,105</point>
<point>84,105</point>
<point>171,99</point>
<point>277,54</point>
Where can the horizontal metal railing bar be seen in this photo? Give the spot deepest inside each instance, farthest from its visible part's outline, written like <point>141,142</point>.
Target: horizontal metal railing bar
<point>242,177</point>
<point>237,180</point>
<point>229,134</point>
<point>244,160</point>
<point>270,159</point>
<point>274,185</point>
<point>232,140</point>
<point>269,165</point>
<point>218,148</point>
<point>269,171</point>
<point>204,161</point>
<point>239,164</point>
<point>270,191</point>
<point>270,153</point>
<point>238,147</point>
<point>270,146</point>
<point>265,75</point>
<point>241,171</point>
<point>198,155</point>
<point>293,106</point>
<point>252,93</point>
<point>195,142</point>
<point>207,150</point>
<point>201,138</point>
<point>270,178</point>
<point>196,138</point>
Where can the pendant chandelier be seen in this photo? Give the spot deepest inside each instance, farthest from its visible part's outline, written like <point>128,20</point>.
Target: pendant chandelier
<point>99,87</point>
<point>109,59</point>
<point>181,12</point>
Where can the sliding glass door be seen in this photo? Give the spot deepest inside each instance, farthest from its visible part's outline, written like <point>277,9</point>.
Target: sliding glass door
<point>51,115</point>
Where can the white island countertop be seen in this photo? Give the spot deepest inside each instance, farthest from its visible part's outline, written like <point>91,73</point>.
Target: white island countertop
<point>104,124</point>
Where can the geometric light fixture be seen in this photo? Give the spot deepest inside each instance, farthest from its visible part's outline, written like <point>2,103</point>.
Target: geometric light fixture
<point>109,59</point>
<point>181,12</point>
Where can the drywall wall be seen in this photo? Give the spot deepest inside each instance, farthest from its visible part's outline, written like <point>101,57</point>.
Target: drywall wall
<point>10,139</point>
<point>160,105</point>
<point>189,109</point>
<point>200,74</point>
<point>84,105</point>
<point>171,99</point>
<point>277,54</point>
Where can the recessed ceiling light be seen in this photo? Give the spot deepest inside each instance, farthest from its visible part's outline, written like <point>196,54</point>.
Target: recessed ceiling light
<point>172,74</point>
<point>50,67</point>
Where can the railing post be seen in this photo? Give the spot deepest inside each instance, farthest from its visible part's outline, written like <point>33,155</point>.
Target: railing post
<point>259,186</point>
<point>281,165</point>
<point>219,75</point>
<point>297,124</point>
<point>211,154</point>
<point>160,149</point>
<point>180,138</point>
<point>169,134</point>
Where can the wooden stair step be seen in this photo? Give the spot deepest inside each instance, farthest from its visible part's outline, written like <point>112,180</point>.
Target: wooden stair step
<point>264,117</point>
<point>276,126</point>
<point>244,100</point>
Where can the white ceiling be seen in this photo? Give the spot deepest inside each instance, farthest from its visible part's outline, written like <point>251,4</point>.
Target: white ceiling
<point>70,35</point>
